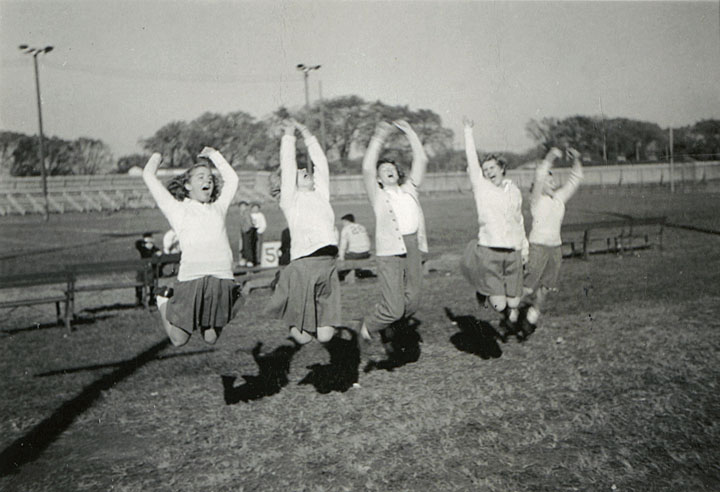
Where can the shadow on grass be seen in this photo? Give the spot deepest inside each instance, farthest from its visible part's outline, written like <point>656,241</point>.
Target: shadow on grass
<point>95,367</point>
<point>112,307</point>
<point>53,325</point>
<point>343,369</point>
<point>401,342</point>
<point>30,446</point>
<point>475,337</point>
<point>273,370</point>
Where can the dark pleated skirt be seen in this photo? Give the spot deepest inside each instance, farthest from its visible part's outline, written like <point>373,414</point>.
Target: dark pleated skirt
<point>201,303</point>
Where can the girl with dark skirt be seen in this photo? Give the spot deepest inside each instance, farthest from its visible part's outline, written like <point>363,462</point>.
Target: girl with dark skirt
<point>203,296</point>
<point>307,294</point>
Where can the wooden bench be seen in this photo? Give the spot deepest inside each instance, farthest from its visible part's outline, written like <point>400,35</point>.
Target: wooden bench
<point>27,281</point>
<point>81,271</point>
<point>616,236</point>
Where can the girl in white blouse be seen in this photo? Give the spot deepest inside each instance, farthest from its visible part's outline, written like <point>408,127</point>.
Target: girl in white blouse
<point>203,296</point>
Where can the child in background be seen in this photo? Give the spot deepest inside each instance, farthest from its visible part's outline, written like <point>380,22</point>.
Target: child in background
<point>203,295</point>
<point>307,294</point>
<point>493,262</point>
<point>547,204</point>
<point>259,224</point>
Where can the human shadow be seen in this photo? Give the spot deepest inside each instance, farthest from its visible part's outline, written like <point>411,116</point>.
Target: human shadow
<point>95,367</point>
<point>343,369</point>
<point>52,325</point>
<point>401,342</point>
<point>359,273</point>
<point>475,337</point>
<point>33,443</point>
<point>273,370</point>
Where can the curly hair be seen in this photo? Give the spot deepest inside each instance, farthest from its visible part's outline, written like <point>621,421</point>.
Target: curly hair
<point>497,158</point>
<point>176,185</point>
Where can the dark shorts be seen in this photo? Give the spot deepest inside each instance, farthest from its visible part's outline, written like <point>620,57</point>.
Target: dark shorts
<point>201,303</point>
<point>543,266</point>
<point>307,294</point>
<point>492,271</point>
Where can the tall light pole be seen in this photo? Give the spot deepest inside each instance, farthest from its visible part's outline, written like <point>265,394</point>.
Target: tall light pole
<point>35,52</point>
<point>306,69</point>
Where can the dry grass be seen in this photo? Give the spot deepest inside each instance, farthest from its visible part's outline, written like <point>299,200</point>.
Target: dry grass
<point>618,388</point>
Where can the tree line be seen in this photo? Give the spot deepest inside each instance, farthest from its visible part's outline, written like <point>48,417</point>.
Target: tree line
<point>344,126</point>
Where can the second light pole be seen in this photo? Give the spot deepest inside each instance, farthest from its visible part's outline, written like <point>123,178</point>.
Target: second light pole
<point>35,52</point>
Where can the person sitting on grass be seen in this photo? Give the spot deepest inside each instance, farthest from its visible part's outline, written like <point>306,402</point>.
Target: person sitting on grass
<point>354,240</point>
<point>493,262</point>
<point>547,205</point>
<point>307,294</point>
<point>204,293</point>
<point>400,236</point>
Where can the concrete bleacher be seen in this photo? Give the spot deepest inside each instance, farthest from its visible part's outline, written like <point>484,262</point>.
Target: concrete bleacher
<point>20,196</point>
<point>122,191</point>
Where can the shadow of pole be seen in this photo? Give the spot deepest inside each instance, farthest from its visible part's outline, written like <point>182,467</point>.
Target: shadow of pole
<point>30,446</point>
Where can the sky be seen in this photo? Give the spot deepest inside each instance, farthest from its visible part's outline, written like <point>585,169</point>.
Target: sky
<point>120,70</point>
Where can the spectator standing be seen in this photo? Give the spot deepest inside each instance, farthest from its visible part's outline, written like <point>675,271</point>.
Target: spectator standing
<point>259,224</point>
<point>147,249</point>
<point>247,243</point>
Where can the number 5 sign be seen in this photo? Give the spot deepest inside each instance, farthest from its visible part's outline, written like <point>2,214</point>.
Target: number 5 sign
<point>270,254</point>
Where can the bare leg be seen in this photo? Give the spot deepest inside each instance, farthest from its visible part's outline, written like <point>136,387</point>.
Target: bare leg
<point>301,337</point>
<point>513,312</point>
<point>499,303</point>
<point>364,332</point>
<point>178,337</point>
<point>325,333</point>
<point>210,336</point>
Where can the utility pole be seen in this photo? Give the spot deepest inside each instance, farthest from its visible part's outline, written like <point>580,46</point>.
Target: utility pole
<point>35,52</point>
<point>672,162</point>
<point>306,69</point>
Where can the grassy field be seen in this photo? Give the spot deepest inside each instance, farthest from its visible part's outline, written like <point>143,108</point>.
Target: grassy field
<point>617,390</point>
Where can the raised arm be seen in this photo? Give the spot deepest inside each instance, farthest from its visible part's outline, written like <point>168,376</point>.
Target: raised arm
<point>473,163</point>
<point>372,154</point>
<point>566,191</point>
<point>541,173</point>
<point>321,171</point>
<point>228,174</point>
<point>288,164</point>
<point>167,203</point>
<point>420,159</point>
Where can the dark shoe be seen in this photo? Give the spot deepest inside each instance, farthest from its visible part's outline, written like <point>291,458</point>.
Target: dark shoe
<point>165,291</point>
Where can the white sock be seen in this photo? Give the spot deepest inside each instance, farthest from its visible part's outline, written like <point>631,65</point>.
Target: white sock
<point>532,315</point>
<point>161,300</point>
<point>513,315</point>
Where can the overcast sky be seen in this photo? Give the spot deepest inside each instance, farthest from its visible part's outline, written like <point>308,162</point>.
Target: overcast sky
<point>121,69</point>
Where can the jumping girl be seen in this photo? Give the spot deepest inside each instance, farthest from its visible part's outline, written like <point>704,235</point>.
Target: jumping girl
<point>202,298</point>
<point>400,235</point>
<point>547,204</point>
<point>307,294</point>
<point>493,263</point>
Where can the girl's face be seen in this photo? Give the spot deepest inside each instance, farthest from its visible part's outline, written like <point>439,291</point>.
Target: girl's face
<point>493,172</point>
<point>387,174</point>
<point>549,186</point>
<point>200,185</point>
<point>305,180</point>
